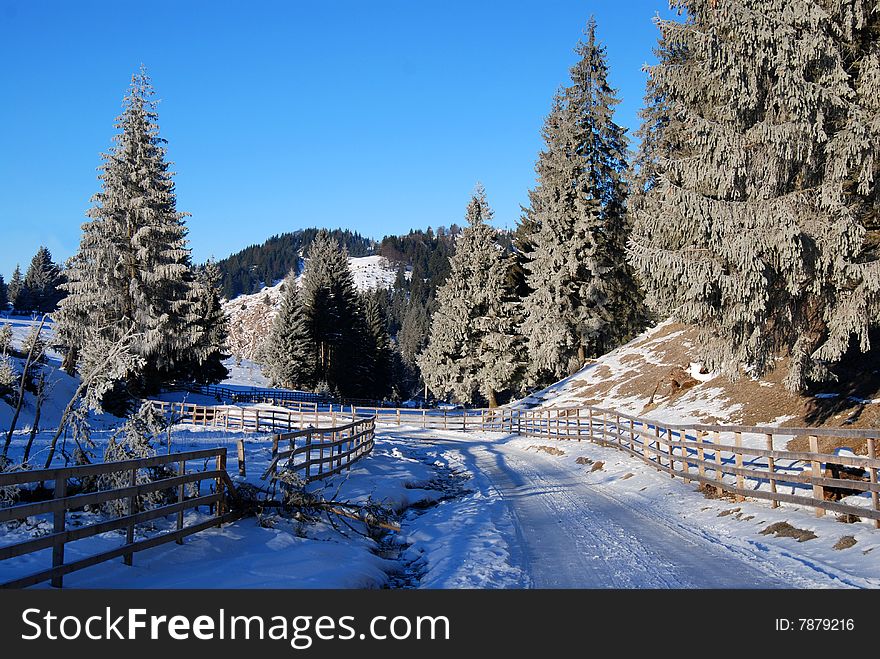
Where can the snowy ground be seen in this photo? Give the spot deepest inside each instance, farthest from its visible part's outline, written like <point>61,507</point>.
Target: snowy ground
<point>486,510</point>
<point>455,531</point>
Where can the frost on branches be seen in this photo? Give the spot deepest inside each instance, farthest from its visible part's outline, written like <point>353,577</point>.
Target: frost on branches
<point>474,350</point>
<point>758,223</point>
<point>133,263</point>
<point>583,299</point>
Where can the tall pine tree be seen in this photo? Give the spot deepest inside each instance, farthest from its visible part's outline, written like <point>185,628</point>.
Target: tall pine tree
<point>335,320</point>
<point>42,282</point>
<point>16,290</point>
<point>4,295</point>
<point>380,350</point>
<point>584,299</point>
<point>133,266</point>
<point>474,352</point>
<point>757,221</point>
<point>289,352</point>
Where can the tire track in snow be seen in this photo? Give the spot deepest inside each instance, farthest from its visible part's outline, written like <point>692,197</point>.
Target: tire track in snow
<point>576,536</point>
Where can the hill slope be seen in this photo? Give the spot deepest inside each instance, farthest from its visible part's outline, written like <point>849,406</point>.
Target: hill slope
<point>657,376</point>
<point>250,316</point>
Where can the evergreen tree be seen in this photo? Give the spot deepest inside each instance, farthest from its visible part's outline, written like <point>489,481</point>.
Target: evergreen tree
<point>380,348</point>
<point>584,299</point>
<point>16,290</point>
<point>133,263</point>
<point>289,353</point>
<point>42,282</point>
<point>335,319</point>
<point>474,351</point>
<point>4,295</point>
<point>213,326</point>
<point>758,219</point>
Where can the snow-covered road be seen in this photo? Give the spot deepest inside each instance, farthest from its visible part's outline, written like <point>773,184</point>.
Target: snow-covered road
<point>575,534</point>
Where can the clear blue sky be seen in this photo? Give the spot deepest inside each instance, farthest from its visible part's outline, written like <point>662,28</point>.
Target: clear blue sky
<point>377,116</point>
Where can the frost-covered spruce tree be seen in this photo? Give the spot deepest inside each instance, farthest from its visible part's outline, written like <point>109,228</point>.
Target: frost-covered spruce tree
<point>4,295</point>
<point>42,282</point>
<point>288,355</point>
<point>335,319</point>
<point>758,225</point>
<point>133,263</point>
<point>584,299</point>
<point>16,290</point>
<point>474,351</point>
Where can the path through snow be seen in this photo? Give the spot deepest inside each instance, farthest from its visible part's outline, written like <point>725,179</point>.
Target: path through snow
<point>576,534</point>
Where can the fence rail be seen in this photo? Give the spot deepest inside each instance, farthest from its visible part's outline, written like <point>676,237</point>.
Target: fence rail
<point>173,482</point>
<point>322,452</point>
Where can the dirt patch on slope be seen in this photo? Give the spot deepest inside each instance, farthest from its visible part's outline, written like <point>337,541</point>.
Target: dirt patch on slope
<point>658,364</point>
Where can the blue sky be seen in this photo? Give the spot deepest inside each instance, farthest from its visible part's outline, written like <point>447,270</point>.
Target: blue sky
<point>377,116</point>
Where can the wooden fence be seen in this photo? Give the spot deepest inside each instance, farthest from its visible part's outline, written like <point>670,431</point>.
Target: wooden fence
<point>433,419</point>
<point>714,455</point>
<point>295,415</point>
<point>255,395</point>
<point>322,452</point>
<point>173,483</point>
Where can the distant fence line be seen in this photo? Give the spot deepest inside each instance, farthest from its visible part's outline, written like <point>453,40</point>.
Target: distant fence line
<point>257,395</point>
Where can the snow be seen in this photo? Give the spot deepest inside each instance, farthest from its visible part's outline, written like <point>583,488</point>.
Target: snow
<point>460,541</point>
<point>518,517</point>
<point>244,372</point>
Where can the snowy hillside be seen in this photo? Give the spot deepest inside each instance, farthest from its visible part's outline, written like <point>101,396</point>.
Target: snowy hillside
<point>657,375</point>
<point>250,316</point>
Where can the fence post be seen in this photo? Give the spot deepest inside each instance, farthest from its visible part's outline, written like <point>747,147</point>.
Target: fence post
<point>242,468</point>
<point>132,501</point>
<point>872,471</point>
<point>58,522</point>
<point>221,501</point>
<point>771,467</point>
<point>818,490</point>
<point>701,456</point>
<point>590,420</point>
<point>308,457</point>
<point>685,465</point>
<point>398,416</point>
<point>275,440</point>
<point>181,494</point>
<point>518,422</point>
<point>719,462</point>
<point>424,418</point>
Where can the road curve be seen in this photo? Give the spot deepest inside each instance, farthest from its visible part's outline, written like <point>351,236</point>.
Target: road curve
<point>574,535</point>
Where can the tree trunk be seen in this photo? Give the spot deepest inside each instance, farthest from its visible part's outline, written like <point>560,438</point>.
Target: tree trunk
<point>71,356</point>
<point>24,375</point>
<point>493,400</point>
<point>35,428</point>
